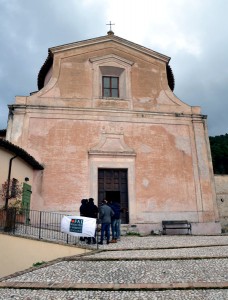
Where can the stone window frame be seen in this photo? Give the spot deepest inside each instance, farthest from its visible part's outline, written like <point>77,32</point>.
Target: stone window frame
<point>112,65</point>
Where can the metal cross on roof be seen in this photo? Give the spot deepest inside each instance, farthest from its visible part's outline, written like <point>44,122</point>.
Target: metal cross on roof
<point>110,30</point>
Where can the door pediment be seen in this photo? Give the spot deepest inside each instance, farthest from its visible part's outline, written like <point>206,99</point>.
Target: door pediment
<point>112,144</point>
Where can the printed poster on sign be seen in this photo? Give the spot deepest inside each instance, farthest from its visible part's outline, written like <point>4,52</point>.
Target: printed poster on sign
<point>78,226</point>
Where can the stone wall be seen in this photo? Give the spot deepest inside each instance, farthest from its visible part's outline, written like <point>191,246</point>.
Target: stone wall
<point>221,184</point>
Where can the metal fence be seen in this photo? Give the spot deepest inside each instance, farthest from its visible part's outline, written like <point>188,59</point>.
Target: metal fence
<point>37,224</point>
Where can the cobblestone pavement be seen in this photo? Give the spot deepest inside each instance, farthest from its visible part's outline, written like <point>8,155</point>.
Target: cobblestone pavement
<point>166,271</point>
<point>177,241</point>
<point>166,267</point>
<point>199,252</point>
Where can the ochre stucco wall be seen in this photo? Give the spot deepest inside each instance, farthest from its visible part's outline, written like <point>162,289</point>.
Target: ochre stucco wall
<point>19,169</point>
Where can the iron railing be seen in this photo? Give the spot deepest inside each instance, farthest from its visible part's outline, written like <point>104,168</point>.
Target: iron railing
<point>37,224</point>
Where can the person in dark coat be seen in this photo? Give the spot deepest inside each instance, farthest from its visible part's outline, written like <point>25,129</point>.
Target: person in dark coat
<point>83,207</point>
<point>83,213</point>
<point>105,215</point>
<point>115,224</point>
<point>91,212</point>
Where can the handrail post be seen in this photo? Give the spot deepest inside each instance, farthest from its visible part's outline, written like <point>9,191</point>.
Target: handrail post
<point>14,221</point>
<point>40,225</point>
<point>96,232</point>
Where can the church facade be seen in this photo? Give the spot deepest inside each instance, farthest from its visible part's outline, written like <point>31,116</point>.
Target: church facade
<point>105,123</point>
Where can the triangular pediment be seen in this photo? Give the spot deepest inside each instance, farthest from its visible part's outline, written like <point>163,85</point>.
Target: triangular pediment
<point>110,38</point>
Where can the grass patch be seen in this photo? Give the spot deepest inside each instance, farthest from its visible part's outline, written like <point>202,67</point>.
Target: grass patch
<point>39,263</point>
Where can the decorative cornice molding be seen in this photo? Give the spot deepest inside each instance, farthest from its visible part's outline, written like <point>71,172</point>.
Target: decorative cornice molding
<point>112,144</point>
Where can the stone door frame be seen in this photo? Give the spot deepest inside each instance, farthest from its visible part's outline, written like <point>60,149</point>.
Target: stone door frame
<point>107,162</point>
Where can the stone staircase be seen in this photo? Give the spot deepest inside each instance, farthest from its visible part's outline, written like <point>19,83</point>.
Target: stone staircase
<point>158,267</point>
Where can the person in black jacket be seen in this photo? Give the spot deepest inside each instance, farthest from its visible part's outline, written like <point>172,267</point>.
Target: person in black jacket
<point>83,213</point>
<point>115,224</point>
<point>91,212</point>
<point>83,207</point>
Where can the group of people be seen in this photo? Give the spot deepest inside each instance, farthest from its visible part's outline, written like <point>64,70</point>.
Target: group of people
<point>109,215</point>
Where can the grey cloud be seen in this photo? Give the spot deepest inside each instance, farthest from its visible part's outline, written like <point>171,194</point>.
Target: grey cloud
<point>28,28</point>
<point>203,80</point>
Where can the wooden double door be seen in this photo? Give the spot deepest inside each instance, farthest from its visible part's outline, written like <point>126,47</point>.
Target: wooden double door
<point>113,186</point>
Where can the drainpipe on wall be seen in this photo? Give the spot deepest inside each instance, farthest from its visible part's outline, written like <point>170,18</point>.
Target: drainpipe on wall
<point>8,181</point>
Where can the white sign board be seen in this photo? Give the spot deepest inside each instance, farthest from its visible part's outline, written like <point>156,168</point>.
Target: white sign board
<point>78,226</point>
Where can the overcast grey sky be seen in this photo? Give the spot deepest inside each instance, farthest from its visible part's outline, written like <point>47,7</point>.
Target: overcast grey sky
<point>194,33</point>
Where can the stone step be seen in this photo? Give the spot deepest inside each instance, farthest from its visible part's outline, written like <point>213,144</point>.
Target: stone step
<point>115,286</point>
<point>129,229</point>
<point>161,254</point>
<point>113,291</point>
<point>128,272</point>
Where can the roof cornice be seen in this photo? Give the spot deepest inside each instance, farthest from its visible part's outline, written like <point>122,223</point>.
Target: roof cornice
<point>110,38</point>
<point>21,153</point>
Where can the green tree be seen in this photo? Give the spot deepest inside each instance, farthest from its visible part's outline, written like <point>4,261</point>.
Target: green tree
<point>219,152</point>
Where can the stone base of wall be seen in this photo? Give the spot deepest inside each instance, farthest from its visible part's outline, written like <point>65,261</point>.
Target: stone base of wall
<point>210,228</point>
<point>224,224</point>
<point>221,184</point>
